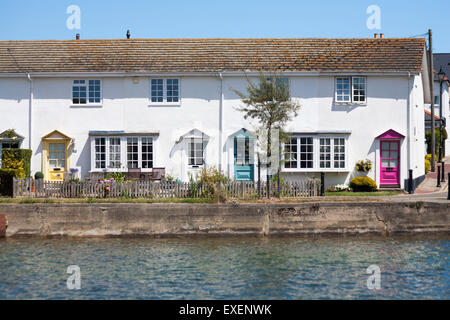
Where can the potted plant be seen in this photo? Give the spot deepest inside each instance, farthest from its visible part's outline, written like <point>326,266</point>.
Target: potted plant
<point>364,166</point>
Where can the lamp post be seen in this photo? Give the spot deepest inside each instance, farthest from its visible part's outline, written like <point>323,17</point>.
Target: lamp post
<point>441,76</point>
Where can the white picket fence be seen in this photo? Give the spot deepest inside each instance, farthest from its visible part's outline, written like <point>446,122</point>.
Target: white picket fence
<point>165,189</point>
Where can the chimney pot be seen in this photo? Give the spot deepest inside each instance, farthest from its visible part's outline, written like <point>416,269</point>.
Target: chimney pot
<point>381,35</point>
<point>375,35</point>
<point>77,36</point>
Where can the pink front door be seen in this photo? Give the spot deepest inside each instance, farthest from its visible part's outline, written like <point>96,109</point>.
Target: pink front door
<point>390,163</point>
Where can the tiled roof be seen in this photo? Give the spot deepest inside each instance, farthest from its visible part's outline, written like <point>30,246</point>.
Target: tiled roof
<point>211,55</point>
<point>429,114</point>
<point>442,60</point>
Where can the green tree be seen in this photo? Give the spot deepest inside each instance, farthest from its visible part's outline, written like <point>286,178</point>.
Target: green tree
<point>269,103</point>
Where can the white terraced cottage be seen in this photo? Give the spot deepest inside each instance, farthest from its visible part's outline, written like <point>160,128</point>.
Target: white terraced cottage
<point>139,105</point>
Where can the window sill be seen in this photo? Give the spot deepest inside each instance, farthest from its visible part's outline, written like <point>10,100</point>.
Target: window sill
<point>87,105</point>
<point>336,103</point>
<point>313,170</point>
<point>162,104</point>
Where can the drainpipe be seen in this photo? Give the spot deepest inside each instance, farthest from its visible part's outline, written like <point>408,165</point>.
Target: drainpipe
<point>220,121</point>
<point>409,124</point>
<point>30,108</point>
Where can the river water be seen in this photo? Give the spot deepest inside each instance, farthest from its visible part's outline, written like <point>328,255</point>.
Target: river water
<point>243,268</point>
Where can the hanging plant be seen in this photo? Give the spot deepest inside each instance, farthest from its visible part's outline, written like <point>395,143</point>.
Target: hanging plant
<point>363,166</point>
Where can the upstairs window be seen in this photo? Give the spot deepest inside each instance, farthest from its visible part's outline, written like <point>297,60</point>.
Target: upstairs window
<point>350,89</point>
<point>86,92</point>
<point>165,91</point>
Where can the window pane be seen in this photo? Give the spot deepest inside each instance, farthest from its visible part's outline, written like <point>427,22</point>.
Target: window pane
<point>306,153</point>
<point>339,153</point>
<point>195,152</point>
<point>114,153</point>
<point>132,153</point>
<point>100,153</point>
<point>147,153</point>
<point>342,89</point>
<point>157,90</point>
<point>359,89</point>
<point>172,90</point>
<point>325,153</point>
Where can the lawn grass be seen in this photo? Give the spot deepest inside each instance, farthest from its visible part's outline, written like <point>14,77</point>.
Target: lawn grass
<point>363,194</point>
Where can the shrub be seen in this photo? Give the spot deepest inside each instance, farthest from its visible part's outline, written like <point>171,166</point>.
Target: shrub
<point>210,180</point>
<point>437,140</point>
<point>10,172</point>
<point>427,165</point>
<point>116,176</point>
<point>363,166</point>
<point>18,159</point>
<point>363,184</point>
<point>38,175</point>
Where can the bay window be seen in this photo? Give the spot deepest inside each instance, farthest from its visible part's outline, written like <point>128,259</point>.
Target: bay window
<point>120,153</point>
<point>315,153</point>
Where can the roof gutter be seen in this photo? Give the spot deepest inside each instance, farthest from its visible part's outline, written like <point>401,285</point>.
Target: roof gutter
<point>203,74</point>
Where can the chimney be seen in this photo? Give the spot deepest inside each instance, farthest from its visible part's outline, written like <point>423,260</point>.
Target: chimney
<point>77,36</point>
<point>381,35</point>
<point>375,35</point>
<point>128,34</point>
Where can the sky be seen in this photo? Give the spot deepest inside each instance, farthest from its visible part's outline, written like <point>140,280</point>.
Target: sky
<point>110,19</point>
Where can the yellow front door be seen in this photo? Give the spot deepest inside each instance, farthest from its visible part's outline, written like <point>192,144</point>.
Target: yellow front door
<point>57,161</point>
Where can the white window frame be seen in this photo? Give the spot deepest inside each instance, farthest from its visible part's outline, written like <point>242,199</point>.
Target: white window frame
<point>109,154</point>
<point>86,85</point>
<point>196,141</point>
<point>123,153</point>
<point>351,90</point>
<point>165,102</point>
<point>316,154</point>
<point>94,153</point>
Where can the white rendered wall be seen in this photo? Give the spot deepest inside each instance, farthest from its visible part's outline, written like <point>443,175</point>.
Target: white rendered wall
<point>125,106</point>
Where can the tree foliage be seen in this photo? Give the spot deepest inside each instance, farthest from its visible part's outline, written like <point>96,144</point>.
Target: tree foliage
<point>269,103</point>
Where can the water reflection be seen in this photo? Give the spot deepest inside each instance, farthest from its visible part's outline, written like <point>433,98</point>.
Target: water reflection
<point>318,268</point>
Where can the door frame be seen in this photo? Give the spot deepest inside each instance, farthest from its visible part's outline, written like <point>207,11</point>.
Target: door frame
<point>250,167</point>
<point>397,185</point>
<point>55,137</point>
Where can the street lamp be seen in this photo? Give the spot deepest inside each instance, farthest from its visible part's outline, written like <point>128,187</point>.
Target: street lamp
<point>441,76</point>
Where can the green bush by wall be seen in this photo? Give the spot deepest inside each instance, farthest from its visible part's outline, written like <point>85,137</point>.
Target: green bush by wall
<point>427,165</point>
<point>17,159</point>
<point>10,172</point>
<point>363,184</point>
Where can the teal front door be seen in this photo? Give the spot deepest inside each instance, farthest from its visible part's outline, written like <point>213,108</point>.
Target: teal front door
<point>243,164</point>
